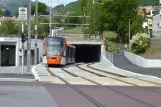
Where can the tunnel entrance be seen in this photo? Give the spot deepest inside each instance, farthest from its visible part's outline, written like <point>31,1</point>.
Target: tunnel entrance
<point>8,55</point>
<point>88,53</point>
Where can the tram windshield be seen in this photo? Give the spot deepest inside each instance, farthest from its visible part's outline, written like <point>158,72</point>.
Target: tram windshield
<point>54,46</point>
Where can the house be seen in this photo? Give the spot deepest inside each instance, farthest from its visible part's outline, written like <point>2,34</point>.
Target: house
<point>156,31</point>
<point>145,23</point>
<point>141,12</point>
<point>2,19</point>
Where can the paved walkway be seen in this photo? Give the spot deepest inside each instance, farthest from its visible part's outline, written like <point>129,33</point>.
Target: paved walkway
<point>23,94</point>
<point>14,73</point>
<point>122,62</point>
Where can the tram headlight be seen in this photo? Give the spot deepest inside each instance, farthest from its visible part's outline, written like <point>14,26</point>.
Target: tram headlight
<point>58,58</point>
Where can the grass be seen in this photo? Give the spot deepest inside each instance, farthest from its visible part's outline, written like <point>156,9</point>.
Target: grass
<point>154,50</point>
<point>77,30</point>
<point>109,34</point>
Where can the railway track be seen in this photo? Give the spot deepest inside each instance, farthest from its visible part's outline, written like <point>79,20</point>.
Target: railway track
<point>95,102</point>
<point>115,91</point>
<point>118,74</point>
<point>120,80</point>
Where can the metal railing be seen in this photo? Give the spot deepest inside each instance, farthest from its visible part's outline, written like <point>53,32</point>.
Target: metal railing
<point>69,37</point>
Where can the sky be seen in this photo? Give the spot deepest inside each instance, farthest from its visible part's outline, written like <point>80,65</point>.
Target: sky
<point>56,2</point>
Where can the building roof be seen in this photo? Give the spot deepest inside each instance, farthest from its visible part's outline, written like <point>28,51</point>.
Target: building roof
<point>2,19</point>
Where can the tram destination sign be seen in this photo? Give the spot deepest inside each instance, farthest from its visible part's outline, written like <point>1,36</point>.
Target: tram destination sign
<point>23,13</point>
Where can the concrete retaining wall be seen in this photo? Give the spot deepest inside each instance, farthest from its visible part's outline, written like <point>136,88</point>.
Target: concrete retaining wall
<point>142,62</point>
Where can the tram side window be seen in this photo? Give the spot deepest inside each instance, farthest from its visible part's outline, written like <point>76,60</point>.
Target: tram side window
<point>70,53</point>
<point>73,53</point>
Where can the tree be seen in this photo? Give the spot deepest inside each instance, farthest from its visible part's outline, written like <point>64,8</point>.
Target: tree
<point>136,26</point>
<point>9,27</point>
<point>118,13</point>
<point>60,9</point>
<point>73,20</point>
<point>43,29</point>
<point>1,12</point>
<point>155,2</point>
<point>82,6</point>
<point>42,9</point>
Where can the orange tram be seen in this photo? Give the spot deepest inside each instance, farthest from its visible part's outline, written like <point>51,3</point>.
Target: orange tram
<point>58,52</point>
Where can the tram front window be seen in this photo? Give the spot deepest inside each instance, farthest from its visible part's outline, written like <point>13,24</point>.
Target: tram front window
<point>54,47</point>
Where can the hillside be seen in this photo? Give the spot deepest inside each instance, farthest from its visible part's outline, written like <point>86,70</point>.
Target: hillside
<point>12,5</point>
<point>148,2</point>
<point>71,7</point>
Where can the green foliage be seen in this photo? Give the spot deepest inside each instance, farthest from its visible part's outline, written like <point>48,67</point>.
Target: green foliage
<point>73,30</point>
<point>154,51</point>
<point>148,2</point>
<point>113,39</point>
<point>42,9</point>
<point>43,29</point>
<point>136,26</point>
<point>140,42</point>
<point>109,46</point>
<point>118,13</point>
<point>71,7</point>
<point>60,9</point>
<point>1,12</point>
<point>9,27</point>
<point>72,20</point>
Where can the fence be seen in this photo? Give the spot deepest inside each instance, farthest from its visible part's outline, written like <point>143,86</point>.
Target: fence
<point>69,37</point>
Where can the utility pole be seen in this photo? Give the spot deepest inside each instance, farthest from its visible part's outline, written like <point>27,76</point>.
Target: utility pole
<point>29,37</point>
<point>94,17</point>
<point>36,31</point>
<point>22,49</point>
<point>129,33</point>
<point>50,25</point>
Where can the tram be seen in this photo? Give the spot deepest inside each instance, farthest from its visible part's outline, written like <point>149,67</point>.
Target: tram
<point>58,52</point>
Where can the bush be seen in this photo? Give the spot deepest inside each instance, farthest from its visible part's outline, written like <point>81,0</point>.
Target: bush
<point>140,42</point>
<point>109,46</point>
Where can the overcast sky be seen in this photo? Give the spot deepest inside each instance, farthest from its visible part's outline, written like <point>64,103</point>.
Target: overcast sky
<point>56,2</point>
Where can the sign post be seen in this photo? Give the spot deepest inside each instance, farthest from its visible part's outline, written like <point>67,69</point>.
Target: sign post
<point>22,17</point>
<point>23,13</point>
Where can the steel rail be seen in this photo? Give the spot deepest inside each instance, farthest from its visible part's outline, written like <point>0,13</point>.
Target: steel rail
<point>134,78</point>
<point>98,104</point>
<point>125,95</point>
<point>101,71</point>
<point>125,81</point>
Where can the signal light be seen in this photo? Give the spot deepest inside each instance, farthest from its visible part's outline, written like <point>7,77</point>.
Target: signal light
<point>23,37</point>
<point>84,14</point>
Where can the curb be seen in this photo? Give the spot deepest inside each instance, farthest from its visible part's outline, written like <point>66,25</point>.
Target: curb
<point>16,80</point>
<point>132,73</point>
<point>36,75</point>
